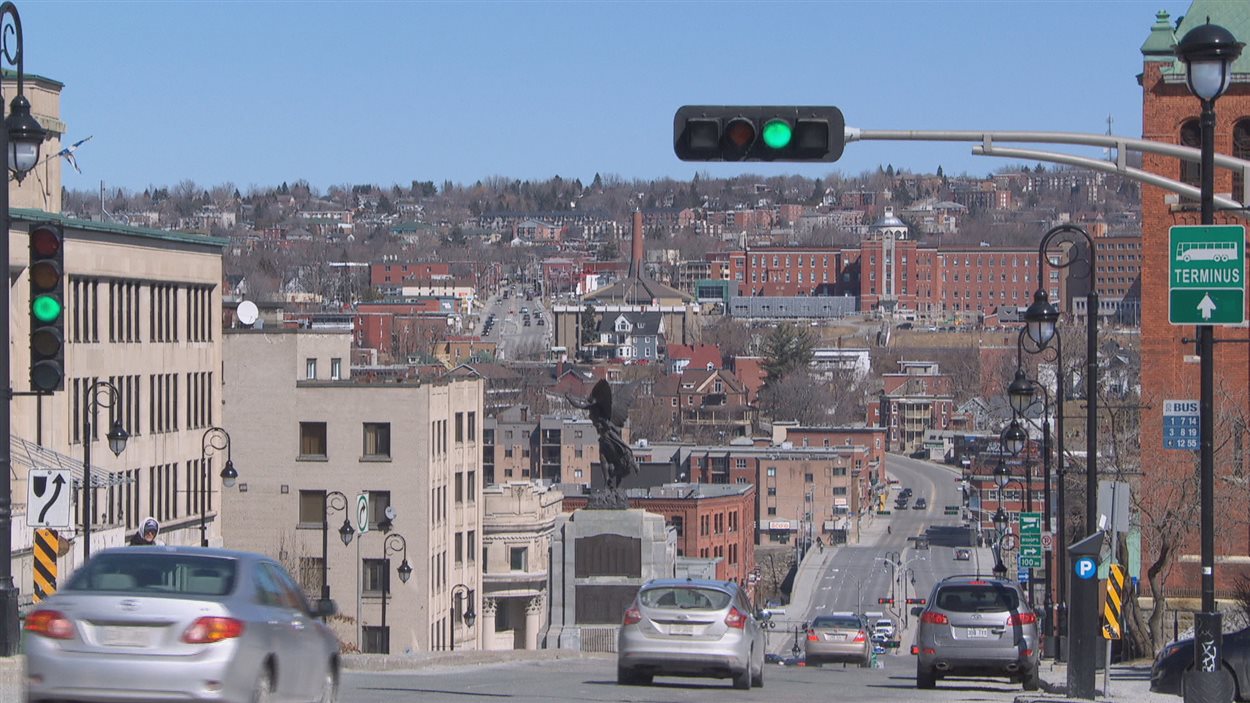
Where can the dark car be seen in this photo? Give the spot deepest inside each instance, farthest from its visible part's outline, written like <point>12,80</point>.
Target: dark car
<point>1176,657</point>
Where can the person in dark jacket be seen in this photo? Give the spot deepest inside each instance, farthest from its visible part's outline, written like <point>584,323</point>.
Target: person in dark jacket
<point>146,534</point>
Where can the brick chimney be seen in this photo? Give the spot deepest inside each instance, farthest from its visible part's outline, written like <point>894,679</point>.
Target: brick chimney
<point>635,259</point>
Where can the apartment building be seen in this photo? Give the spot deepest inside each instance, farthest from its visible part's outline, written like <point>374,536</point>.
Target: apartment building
<point>518,518</point>
<point>913,401</point>
<point>314,440</point>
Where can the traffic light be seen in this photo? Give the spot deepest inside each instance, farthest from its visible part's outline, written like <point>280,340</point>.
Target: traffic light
<point>885,601</point>
<point>758,133</point>
<point>915,601</point>
<point>47,307</point>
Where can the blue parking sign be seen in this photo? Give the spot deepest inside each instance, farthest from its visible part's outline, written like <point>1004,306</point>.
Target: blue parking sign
<point>1086,568</point>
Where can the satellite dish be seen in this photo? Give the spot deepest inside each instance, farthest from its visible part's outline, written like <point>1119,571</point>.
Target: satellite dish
<point>247,312</point>
<point>390,512</point>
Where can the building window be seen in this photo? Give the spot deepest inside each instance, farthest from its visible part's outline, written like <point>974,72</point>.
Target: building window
<point>772,471</point>
<point>312,508</point>
<point>336,369</point>
<point>310,369</point>
<point>379,501</point>
<point>1191,135</point>
<point>374,576</point>
<point>772,490</point>
<point>377,440</point>
<point>310,573</point>
<point>472,426</point>
<point>459,428</point>
<point>374,639</point>
<point>312,440</point>
<point>518,558</point>
<point>808,478</point>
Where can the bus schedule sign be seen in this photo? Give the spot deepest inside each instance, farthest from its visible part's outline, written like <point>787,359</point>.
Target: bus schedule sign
<point>1207,275</point>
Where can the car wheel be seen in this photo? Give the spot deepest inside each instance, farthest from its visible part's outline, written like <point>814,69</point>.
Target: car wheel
<point>625,677</point>
<point>925,678</point>
<point>742,679</point>
<point>262,692</point>
<point>1032,680</point>
<point>329,687</point>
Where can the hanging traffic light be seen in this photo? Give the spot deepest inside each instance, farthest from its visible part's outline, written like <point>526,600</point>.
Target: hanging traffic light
<point>758,133</point>
<point>47,307</point>
<point>885,601</point>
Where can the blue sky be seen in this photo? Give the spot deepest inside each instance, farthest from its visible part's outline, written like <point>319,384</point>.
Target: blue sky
<point>257,93</point>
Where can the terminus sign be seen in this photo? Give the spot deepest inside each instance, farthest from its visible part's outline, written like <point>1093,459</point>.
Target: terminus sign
<point>1206,275</point>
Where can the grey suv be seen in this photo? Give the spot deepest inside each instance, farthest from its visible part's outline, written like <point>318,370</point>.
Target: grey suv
<point>976,626</point>
<point>691,628</point>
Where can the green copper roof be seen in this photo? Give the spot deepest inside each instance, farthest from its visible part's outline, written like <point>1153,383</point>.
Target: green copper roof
<point>29,215</point>
<point>1159,43</point>
<point>1233,16</point>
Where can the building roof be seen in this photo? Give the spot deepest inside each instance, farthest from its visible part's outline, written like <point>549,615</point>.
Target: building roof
<point>1161,42</point>
<point>699,355</point>
<point>31,215</point>
<point>644,323</point>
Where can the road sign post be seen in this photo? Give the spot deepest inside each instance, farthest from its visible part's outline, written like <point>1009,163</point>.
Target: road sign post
<point>1206,274</point>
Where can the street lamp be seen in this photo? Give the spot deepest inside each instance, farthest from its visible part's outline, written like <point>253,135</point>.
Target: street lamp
<point>1000,526</point>
<point>100,394</point>
<point>334,501</point>
<point>1014,438</point>
<point>391,545</point>
<point>459,593</point>
<point>1208,52</point>
<point>20,139</point>
<point>215,439</point>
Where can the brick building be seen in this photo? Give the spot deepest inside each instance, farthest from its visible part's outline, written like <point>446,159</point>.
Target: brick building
<point>1170,114</point>
<point>712,521</point>
<point>915,400</point>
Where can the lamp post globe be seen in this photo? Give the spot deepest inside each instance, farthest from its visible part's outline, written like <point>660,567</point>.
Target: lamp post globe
<point>1014,438</point>
<point>1001,476</point>
<point>229,475</point>
<point>346,532</point>
<point>1020,392</point>
<point>1040,318</point>
<point>117,436</point>
<point>1000,520</point>
<point>25,137</point>
<point>470,616</point>
<point>1208,52</point>
<point>405,571</point>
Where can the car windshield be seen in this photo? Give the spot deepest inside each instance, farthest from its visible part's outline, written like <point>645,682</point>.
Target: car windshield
<point>155,573</point>
<point>836,621</point>
<point>978,598</point>
<point>684,598</point>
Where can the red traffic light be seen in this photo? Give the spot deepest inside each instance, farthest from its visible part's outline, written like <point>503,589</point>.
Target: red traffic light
<point>885,601</point>
<point>915,601</point>
<point>45,241</point>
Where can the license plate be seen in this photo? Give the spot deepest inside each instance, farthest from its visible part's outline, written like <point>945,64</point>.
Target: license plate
<point>839,638</point>
<point>125,636</point>
<point>978,632</point>
<point>681,629</point>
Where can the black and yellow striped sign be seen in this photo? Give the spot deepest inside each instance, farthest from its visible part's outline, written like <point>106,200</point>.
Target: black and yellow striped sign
<point>1111,626</point>
<point>46,542</point>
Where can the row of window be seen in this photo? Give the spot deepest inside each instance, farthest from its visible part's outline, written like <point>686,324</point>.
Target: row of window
<point>376,437</point>
<point>172,492</point>
<point>162,403</point>
<point>125,311</point>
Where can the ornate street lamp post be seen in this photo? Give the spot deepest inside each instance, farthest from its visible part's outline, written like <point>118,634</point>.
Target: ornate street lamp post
<point>20,138</point>
<point>1208,52</point>
<point>100,394</point>
<point>459,593</point>
<point>334,501</point>
<point>216,439</point>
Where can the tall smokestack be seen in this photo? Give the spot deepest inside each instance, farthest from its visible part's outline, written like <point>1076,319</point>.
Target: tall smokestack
<point>635,260</point>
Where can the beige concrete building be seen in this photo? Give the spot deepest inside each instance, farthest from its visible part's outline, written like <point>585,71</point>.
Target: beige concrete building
<point>303,428</point>
<point>518,519</point>
<point>141,311</point>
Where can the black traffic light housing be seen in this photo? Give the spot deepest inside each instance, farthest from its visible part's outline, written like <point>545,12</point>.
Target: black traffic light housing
<point>758,133</point>
<point>47,307</point>
<point>915,601</point>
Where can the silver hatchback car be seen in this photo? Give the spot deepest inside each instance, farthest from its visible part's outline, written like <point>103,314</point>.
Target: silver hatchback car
<point>691,628</point>
<point>976,626</point>
<point>179,623</point>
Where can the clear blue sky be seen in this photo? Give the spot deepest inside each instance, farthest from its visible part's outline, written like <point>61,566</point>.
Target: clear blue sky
<point>257,93</point>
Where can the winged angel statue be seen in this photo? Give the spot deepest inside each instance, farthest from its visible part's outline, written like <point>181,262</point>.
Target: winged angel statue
<point>615,456</point>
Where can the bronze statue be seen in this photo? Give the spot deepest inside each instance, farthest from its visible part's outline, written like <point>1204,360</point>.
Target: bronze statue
<point>615,457</point>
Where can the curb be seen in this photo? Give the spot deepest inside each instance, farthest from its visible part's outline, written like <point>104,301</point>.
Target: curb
<point>433,660</point>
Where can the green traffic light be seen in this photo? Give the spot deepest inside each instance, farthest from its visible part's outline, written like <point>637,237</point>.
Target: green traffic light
<point>46,308</point>
<point>777,133</point>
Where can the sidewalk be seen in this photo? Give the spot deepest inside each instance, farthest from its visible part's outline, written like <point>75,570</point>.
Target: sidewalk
<point>1130,681</point>
<point>11,669</point>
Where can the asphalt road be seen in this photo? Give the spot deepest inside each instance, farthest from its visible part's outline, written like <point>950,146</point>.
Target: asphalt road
<point>509,332</point>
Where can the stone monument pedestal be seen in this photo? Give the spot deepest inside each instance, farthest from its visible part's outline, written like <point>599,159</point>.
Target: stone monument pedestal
<point>599,559</point>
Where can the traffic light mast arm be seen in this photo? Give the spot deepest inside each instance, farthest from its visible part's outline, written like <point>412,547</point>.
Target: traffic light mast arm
<point>1120,166</point>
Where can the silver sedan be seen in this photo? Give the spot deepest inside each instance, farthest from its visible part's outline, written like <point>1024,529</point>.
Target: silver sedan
<point>180,623</point>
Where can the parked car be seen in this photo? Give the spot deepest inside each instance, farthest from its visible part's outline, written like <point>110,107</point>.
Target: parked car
<point>187,623</point>
<point>1172,661</point>
<point>839,637</point>
<point>686,627</point>
<point>979,627</point>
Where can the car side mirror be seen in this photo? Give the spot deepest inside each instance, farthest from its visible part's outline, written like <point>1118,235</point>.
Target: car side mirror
<point>325,608</point>
<point>916,610</point>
